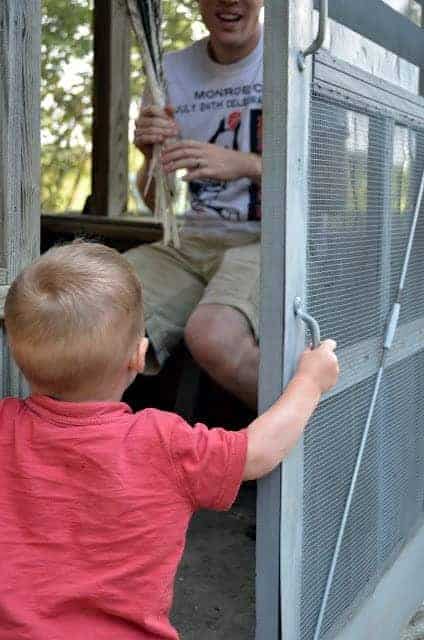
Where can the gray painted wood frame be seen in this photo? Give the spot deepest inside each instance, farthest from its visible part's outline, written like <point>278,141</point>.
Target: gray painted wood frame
<point>288,30</point>
<point>377,21</point>
<point>20,35</point>
<point>421,89</point>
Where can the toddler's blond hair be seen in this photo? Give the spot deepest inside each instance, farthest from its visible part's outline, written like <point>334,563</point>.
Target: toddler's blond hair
<point>74,316</point>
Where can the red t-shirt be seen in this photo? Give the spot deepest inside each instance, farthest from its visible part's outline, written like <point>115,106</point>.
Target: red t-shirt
<point>95,502</point>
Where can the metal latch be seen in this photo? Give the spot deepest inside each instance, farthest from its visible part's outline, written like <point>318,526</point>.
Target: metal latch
<point>319,40</point>
<point>311,323</point>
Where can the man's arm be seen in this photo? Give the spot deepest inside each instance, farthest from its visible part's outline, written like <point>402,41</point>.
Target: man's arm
<point>274,434</point>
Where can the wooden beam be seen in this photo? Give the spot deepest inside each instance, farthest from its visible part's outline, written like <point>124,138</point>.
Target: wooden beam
<point>20,36</point>
<point>126,232</point>
<point>111,107</point>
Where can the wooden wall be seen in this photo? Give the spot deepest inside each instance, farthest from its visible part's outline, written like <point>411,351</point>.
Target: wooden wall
<point>20,31</point>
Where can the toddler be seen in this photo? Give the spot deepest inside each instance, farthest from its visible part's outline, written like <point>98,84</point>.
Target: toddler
<point>95,500</point>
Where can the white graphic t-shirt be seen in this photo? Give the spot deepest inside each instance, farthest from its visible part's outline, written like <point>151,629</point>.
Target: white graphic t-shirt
<point>219,104</point>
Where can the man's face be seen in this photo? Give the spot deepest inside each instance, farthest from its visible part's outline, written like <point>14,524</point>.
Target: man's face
<point>231,23</point>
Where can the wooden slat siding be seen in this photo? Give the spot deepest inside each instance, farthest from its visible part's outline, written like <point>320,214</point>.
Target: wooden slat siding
<point>111,108</point>
<point>286,127</point>
<point>20,36</point>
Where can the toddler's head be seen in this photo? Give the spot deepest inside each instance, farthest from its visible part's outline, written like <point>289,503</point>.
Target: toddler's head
<point>74,320</point>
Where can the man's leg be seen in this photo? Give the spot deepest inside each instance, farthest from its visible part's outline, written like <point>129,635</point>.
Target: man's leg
<point>222,343</point>
<point>222,332</point>
<point>172,289</point>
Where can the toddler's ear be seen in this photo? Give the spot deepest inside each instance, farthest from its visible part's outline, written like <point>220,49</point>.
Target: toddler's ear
<point>138,360</point>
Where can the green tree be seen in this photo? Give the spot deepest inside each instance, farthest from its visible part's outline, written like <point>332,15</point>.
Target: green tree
<point>67,70</point>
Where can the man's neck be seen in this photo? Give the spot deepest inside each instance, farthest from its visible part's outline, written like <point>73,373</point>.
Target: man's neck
<point>223,54</point>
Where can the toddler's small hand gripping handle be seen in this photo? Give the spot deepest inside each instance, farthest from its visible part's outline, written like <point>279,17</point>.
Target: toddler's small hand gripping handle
<point>312,324</point>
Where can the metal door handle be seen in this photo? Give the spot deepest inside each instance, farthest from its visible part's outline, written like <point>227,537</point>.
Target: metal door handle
<point>311,323</point>
<point>320,39</point>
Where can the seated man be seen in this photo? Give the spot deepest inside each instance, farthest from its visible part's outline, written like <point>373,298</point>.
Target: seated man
<point>207,291</point>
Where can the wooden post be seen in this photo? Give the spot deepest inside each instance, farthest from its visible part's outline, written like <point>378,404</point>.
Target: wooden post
<point>288,31</point>
<point>20,36</point>
<point>111,107</point>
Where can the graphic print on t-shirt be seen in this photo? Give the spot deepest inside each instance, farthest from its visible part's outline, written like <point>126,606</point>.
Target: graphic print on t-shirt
<point>205,193</point>
<point>222,105</point>
<point>255,201</point>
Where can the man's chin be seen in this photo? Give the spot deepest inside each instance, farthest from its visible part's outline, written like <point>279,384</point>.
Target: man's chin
<point>233,39</point>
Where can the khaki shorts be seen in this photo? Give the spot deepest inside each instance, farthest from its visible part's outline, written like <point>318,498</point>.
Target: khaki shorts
<point>205,270</point>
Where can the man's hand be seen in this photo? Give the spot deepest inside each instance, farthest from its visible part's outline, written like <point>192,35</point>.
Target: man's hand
<point>205,161</point>
<point>154,126</point>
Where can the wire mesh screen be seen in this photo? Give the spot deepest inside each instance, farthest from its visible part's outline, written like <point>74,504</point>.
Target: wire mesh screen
<point>365,170</point>
<point>408,163</point>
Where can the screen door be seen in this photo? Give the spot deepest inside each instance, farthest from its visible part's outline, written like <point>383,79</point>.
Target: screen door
<point>344,232</point>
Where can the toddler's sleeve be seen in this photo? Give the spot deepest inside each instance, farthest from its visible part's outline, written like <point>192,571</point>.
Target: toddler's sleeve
<point>209,463</point>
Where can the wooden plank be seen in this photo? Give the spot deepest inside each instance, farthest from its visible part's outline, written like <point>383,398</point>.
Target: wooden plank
<point>20,131</point>
<point>111,108</point>
<point>377,21</point>
<point>134,230</point>
<point>20,38</point>
<point>288,29</point>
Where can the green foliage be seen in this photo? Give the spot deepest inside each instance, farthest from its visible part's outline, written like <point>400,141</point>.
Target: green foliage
<point>67,68</point>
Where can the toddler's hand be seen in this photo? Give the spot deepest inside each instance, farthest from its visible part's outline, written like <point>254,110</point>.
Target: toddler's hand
<point>320,365</point>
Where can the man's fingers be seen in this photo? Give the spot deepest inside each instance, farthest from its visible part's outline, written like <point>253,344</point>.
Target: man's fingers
<point>172,154</point>
<point>184,163</point>
<point>152,135</point>
<point>154,131</point>
<point>198,174</point>
<point>147,140</point>
<point>148,124</point>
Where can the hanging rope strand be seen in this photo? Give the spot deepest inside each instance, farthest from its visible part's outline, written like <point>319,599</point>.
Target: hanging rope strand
<point>146,19</point>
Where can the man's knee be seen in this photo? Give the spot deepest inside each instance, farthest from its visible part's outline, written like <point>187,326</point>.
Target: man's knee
<point>203,337</point>
<point>214,335</point>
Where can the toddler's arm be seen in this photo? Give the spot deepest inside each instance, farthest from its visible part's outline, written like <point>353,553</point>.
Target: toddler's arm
<point>272,435</point>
